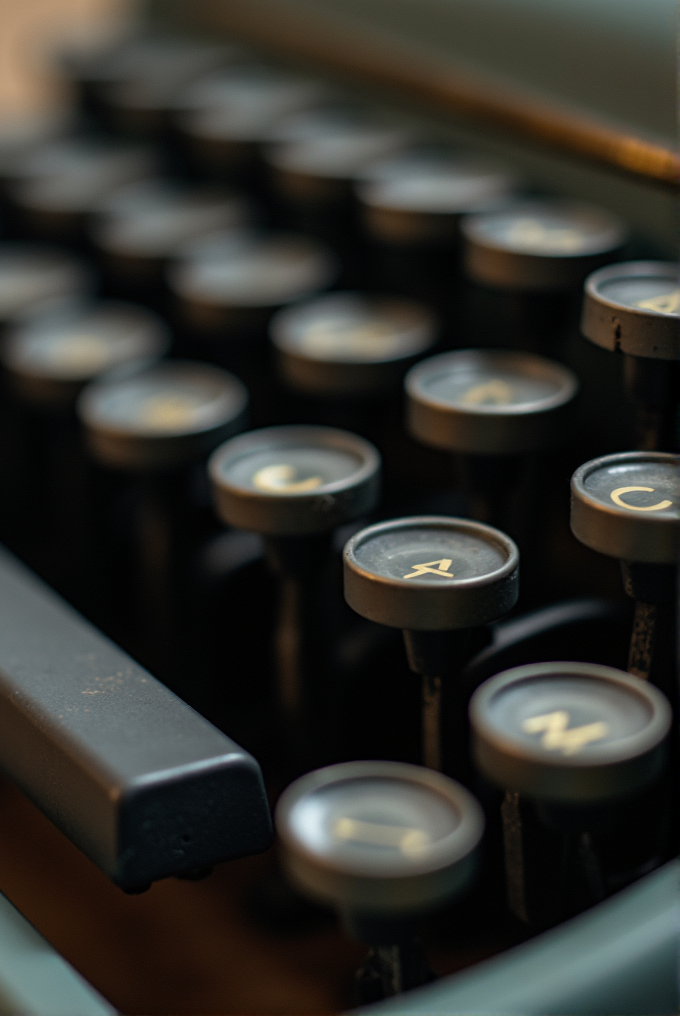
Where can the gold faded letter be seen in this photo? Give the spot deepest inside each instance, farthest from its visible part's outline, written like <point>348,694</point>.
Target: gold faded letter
<point>280,479</point>
<point>410,842</point>
<point>667,303</point>
<point>617,499</point>
<point>442,569</point>
<point>558,737</point>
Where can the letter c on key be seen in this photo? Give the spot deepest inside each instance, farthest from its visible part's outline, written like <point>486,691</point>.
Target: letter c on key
<point>617,499</point>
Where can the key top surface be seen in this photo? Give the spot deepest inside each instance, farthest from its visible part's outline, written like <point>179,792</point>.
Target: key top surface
<point>287,481</point>
<point>164,416</point>
<point>350,344</point>
<point>540,245</point>
<point>54,355</point>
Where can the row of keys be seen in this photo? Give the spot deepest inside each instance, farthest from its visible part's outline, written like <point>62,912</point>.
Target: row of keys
<point>480,401</point>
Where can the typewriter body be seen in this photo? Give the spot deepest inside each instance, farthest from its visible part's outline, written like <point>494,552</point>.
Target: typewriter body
<point>341,516</point>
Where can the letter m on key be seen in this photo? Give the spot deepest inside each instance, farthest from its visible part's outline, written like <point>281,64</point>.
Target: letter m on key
<point>558,737</point>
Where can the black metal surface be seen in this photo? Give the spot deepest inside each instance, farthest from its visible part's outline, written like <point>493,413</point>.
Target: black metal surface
<point>141,783</point>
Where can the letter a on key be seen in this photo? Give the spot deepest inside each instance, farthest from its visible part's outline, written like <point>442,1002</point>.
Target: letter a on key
<point>428,568</point>
<point>668,303</point>
<point>556,736</point>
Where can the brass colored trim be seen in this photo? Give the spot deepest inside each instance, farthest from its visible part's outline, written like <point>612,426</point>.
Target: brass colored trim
<point>331,46</point>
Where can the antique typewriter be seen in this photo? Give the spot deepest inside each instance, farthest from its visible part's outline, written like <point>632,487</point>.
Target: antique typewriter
<point>341,517</point>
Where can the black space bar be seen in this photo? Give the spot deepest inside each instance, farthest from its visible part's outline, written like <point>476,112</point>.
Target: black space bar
<point>140,782</point>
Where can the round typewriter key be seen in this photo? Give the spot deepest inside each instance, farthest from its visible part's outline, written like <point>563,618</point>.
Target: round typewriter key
<point>540,245</point>
<point>53,356</point>
<point>226,118</point>
<point>430,576</point>
<point>628,506</point>
<point>572,732</point>
<point>312,178</point>
<point>294,486</point>
<point>18,141</point>
<point>379,837</point>
<point>163,417</point>
<point>306,124</point>
<point>634,309</point>
<point>87,67</point>
<point>383,843</point>
<point>143,226</point>
<point>294,481</point>
<point>33,276</point>
<point>582,741</point>
<point>410,206</point>
<point>93,69</point>
<point>349,344</point>
<point>496,411</point>
<point>489,402</point>
<point>237,284</point>
<point>319,170</point>
<point>48,358</point>
<point>159,424</point>
<point>417,198</point>
<point>58,187</point>
<point>137,84</point>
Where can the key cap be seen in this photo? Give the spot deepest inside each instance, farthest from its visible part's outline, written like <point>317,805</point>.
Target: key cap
<point>18,139</point>
<point>575,737</point>
<point>627,506</point>
<point>320,169</point>
<point>231,285</point>
<point>57,187</point>
<point>417,197</point>
<point>312,180</point>
<point>437,579</point>
<point>542,245</point>
<point>33,279</point>
<point>383,843</point>
<point>294,486</point>
<point>225,119</point>
<point>410,207</point>
<point>496,410</point>
<point>142,226</point>
<point>155,425</point>
<point>226,290</point>
<point>52,356</point>
<point>33,276</point>
<point>490,402</point>
<point>535,254</point>
<point>131,86</point>
<point>350,345</point>
<point>47,361</point>
<point>634,308</point>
